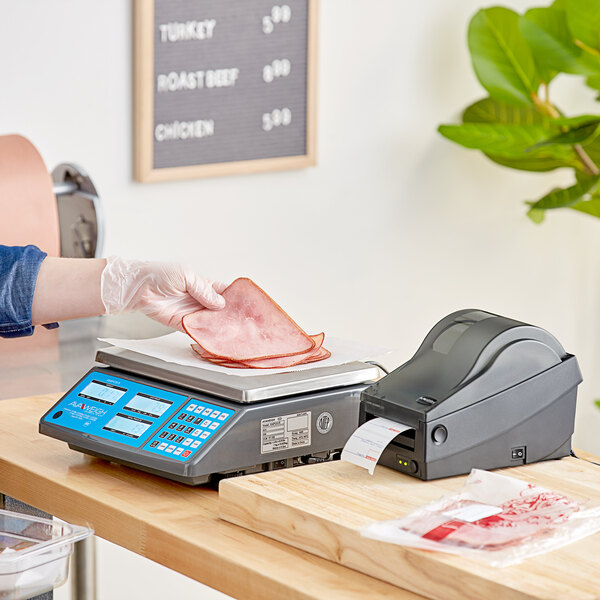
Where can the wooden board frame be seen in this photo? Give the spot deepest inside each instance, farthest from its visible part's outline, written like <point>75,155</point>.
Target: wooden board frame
<point>143,109</point>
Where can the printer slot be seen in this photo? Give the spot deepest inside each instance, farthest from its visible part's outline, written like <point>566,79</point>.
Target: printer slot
<point>406,440</point>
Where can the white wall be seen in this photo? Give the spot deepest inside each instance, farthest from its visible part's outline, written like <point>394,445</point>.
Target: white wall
<point>394,228</point>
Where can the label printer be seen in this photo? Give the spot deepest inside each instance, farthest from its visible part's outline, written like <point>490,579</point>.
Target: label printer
<point>482,391</point>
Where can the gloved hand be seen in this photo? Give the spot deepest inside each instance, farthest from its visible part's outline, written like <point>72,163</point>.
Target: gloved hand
<point>166,292</point>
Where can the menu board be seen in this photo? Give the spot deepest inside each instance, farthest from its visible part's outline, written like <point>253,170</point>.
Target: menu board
<point>223,87</point>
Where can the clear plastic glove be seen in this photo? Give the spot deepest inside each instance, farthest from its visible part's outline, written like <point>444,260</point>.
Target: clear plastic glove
<point>166,292</point>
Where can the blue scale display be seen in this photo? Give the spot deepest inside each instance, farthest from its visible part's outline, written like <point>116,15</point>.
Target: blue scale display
<point>139,415</point>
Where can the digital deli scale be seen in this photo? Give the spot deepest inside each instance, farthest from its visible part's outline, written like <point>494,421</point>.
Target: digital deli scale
<point>196,425</point>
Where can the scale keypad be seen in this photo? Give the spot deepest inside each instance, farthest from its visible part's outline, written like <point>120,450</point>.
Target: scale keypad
<point>188,430</point>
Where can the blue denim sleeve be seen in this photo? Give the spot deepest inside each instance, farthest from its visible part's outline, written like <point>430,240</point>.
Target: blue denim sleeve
<point>19,266</point>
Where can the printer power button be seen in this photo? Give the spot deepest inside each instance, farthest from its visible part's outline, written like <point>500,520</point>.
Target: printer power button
<point>439,434</point>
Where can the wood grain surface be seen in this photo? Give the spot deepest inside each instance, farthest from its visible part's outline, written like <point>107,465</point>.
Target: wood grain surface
<point>321,508</point>
<point>168,522</point>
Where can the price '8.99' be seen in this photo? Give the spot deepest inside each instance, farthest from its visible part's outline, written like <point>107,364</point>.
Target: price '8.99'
<point>278,68</point>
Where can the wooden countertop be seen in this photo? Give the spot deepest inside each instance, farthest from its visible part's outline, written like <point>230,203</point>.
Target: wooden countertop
<point>170,523</point>
<point>322,508</point>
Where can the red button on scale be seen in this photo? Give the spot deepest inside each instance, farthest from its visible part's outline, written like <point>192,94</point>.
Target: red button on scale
<point>186,453</point>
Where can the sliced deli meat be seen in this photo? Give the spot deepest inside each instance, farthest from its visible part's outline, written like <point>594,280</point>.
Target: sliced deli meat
<point>317,353</point>
<point>287,361</point>
<point>251,327</point>
<point>322,354</point>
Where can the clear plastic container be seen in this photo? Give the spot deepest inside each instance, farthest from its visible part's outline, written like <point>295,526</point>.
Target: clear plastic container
<point>34,554</point>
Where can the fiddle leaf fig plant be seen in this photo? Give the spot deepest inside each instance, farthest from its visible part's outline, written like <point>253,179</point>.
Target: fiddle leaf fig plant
<point>516,58</point>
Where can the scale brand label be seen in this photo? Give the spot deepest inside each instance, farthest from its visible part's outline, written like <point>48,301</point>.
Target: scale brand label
<point>285,432</point>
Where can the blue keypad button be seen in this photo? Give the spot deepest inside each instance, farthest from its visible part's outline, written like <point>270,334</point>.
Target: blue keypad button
<point>188,430</point>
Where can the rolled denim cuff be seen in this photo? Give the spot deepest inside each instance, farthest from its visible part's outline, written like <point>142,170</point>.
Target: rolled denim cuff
<point>19,267</point>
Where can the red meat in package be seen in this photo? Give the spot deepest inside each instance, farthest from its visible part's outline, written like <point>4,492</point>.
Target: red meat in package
<point>498,518</point>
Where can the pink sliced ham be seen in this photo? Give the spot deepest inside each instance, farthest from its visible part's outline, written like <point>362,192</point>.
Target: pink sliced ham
<point>251,327</point>
<point>287,361</point>
<point>322,354</point>
<point>317,353</point>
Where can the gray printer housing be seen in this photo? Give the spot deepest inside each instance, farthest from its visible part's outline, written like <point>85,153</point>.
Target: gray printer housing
<point>482,391</point>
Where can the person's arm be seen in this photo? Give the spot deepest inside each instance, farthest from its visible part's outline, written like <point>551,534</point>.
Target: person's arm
<point>70,288</point>
<point>67,288</point>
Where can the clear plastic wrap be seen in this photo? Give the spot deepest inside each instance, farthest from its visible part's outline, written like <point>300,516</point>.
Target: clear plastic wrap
<point>494,517</point>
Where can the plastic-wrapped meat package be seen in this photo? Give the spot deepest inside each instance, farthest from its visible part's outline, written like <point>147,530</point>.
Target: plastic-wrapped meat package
<point>498,518</point>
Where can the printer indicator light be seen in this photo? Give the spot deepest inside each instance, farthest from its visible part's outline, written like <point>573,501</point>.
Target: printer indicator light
<point>407,465</point>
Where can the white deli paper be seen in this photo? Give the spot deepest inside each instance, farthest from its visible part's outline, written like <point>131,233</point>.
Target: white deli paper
<point>367,443</point>
<point>176,348</point>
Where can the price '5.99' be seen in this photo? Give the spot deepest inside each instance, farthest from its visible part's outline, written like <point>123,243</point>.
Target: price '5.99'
<point>279,14</point>
<point>276,118</point>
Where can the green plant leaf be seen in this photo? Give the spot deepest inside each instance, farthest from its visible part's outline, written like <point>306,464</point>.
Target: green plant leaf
<point>543,41</point>
<point>537,215</point>
<point>590,207</point>
<point>564,197</point>
<point>594,83</point>
<point>501,58</point>
<point>536,164</point>
<point>572,122</point>
<point>592,149</point>
<point>552,45</point>
<point>509,141</point>
<point>583,19</point>
<point>578,135</point>
<point>490,110</point>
